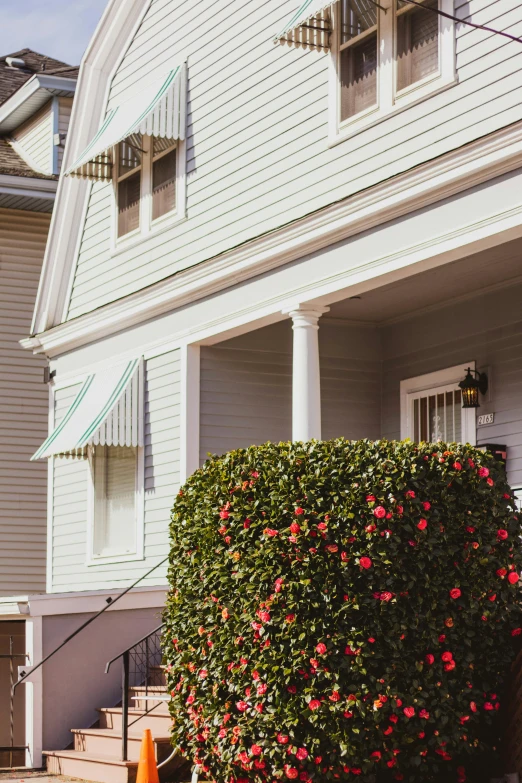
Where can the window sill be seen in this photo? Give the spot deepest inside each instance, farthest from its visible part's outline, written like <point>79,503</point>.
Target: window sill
<point>113,559</point>
<point>164,224</point>
<point>402,102</point>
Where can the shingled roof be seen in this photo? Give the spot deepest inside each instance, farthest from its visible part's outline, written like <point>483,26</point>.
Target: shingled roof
<point>11,79</point>
<point>11,163</point>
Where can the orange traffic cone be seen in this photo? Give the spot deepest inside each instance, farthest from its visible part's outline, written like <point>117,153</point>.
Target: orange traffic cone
<point>147,769</point>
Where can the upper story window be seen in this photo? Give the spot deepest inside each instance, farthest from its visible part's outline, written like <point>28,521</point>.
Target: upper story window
<point>146,184</point>
<point>385,57</point>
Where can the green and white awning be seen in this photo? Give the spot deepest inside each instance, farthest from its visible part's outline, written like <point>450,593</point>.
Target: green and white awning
<point>157,109</point>
<point>310,27</point>
<point>106,411</point>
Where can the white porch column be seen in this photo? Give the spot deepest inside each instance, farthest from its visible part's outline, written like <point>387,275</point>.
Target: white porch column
<point>189,411</point>
<point>306,379</point>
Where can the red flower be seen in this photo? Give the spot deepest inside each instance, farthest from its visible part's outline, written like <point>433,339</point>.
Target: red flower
<point>516,632</point>
<point>371,640</point>
<point>490,482</point>
<point>333,548</point>
<point>447,656</point>
<point>483,472</point>
<point>492,597</point>
<point>502,572</point>
<point>424,714</point>
<point>320,648</point>
<point>282,739</point>
<point>442,638</point>
<point>259,708</point>
<point>426,506</point>
<point>299,511</point>
<point>203,674</point>
<point>264,616</point>
<point>473,706</point>
<point>365,562</point>
<point>410,493</point>
<point>334,696</point>
<point>488,706</point>
<point>246,524</point>
<point>423,524</point>
<point>322,526</point>
<point>377,755</point>
<point>430,659</point>
<point>388,731</point>
<point>400,509</point>
<point>449,666</point>
<point>370,528</point>
<point>295,528</point>
<point>394,718</point>
<point>409,712</point>
<point>314,704</point>
<point>292,689</point>
<point>262,688</point>
<point>379,512</point>
<point>347,714</point>
<point>386,596</point>
<point>457,466</point>
<point>269,532</point>
<point>502,534</point>
<point>256,750</point>
<point>470,529</point>
<point>301,754</point>
<point>455,593</point>
<point>278,585</point>
<point>370,498</point>
<point>224,514</point>
<point>344,557</point>
<point>290,618</point>
<point>513,577</point>
<point>242,706</point>
<point>291,772</point>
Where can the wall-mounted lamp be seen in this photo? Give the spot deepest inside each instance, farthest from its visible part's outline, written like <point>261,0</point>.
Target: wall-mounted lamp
<point>472,386</point>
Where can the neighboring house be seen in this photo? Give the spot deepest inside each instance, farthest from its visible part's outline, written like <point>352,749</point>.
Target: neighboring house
<point>36,94</point>
<point>259,241</point>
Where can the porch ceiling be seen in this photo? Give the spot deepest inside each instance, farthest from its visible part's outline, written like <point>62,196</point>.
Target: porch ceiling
<point>467,277</point>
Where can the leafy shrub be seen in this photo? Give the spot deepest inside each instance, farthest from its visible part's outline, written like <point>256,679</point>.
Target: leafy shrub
<point>341,610</point>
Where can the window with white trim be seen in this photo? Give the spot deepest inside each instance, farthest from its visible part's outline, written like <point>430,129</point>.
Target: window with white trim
<point>387,56</point>
<point>148,188</point>
<point>114,471</point>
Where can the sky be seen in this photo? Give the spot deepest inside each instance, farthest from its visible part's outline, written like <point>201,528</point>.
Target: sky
<point>59,28</point>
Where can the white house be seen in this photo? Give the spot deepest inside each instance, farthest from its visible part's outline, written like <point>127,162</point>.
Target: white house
<point>276,222</point>
<point>36,94</point>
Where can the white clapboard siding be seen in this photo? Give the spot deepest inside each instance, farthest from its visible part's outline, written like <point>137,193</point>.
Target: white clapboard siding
<point>246,387</point>
<point>257,143</point>
<point>64,116</point>
<point>23,407</point>
<point>459,333</point>
<point>35,140</point>
<point>162,429</point>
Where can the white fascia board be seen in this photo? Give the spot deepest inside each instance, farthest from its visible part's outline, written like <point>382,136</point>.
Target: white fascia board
<point>107,48</point>
<point>28,186</point>
<point>434,181</point>
<point>95,600</point>
<point>13,112</point>
<point>14,606</point>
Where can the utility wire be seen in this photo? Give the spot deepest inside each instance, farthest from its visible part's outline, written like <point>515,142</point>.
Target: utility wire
<point>463,21</point>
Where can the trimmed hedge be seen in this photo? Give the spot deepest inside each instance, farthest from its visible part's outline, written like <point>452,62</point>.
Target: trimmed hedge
<point>342,611</point>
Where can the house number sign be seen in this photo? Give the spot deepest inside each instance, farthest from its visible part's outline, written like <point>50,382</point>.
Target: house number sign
<point>486,418</point>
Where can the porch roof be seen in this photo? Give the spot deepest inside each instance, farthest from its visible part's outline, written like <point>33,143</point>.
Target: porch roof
<point>156,109</point>
<point>106,411</point>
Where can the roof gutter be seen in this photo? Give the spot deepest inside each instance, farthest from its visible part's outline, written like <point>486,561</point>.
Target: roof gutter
<point>46,85</point>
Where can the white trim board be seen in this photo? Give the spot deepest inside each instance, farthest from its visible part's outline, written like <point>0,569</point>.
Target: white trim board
<point>432,380</point>
<point>94,600</point>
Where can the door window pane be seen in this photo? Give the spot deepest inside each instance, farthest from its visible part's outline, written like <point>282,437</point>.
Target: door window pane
<point>417,43</point>
<point>437,416</point>
<point>114,500</point>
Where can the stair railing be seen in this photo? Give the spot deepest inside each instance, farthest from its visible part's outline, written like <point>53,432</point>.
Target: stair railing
<point>141,667</point>
<point>109,604</point>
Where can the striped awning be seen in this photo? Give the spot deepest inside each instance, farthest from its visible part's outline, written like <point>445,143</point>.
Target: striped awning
<point>310,27</point>
<point>106,411</point>
<point>158,109</point>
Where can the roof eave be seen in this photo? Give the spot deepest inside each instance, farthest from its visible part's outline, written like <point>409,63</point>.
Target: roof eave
<point>19,107</point>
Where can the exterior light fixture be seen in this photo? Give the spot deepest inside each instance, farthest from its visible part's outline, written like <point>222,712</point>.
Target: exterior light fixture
<point>471,386</point>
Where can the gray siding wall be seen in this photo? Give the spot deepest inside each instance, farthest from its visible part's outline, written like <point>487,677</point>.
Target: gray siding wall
<point>486,328</point>
<point>69,569</point>
<point>24,401</point>
<point>246,386</point>
<point>35,138</point>
<point>258,153</point>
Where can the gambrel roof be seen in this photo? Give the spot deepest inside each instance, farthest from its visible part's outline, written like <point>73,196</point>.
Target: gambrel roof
<point>11,79</point>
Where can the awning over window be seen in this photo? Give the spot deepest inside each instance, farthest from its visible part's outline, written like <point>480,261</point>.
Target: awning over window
<point>309,27</point>
<point>106,411</point>
<point>159,110</point>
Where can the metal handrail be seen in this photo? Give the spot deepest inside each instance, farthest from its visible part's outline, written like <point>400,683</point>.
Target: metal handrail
<point>125,683</point>
<point>110,602</point>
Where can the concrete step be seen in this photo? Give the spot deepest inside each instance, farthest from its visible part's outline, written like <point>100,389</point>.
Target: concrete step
<point>107,742</point>
<point>97,768</point>
<point>158,719</point>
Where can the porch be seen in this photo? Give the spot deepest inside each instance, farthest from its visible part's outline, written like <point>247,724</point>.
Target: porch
<point>340,368</point>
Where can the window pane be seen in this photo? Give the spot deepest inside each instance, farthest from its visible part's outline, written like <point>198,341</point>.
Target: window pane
<point>357,16</point>
<point>129,204</point>
<point>359,76</point>
<point>164,185</point>
<point>129,158</point>
<point>115,500</point>
<point>417,44</point>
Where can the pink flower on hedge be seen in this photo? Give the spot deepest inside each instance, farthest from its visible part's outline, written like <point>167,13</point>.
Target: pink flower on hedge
<point>256,750</point>
<point>410,494</point>
<point>191,699</point>
<point>483,472</point>
<point>314,704</point>
<point>332,548</point>
<point>371,640</point>
<point>423,524</point>
<point>424,714</point>
<point>270,532</point>
<point>426,505</point>
<point>516,632</point>
<point>409,712</point>
<point>488,706</point>
<point>502,572</point>
<point>388,731</point>
<point>455,593</point>
<point>290,618</point>
<point>299,511</point>
<point>264,616</point>
<point>246,524</point>
<point>203,674</point>
<point>386,596</point>
<point>449,666</point>
<point>301,754</point>
<point>259,708</point>
<point>282,739</point>
<point>335,696</point>
<point>278,584</point>
<point>365,562</point>
<point>224,514</point>
<point>379,512</point>
<point>447,656</point>
<point>502,534</point>
<point>292,689</point>
<point>262,688</point>
<point>295,528</point>
<point>291,772</point>
<point>242,706</point>
<point>513,577</point>
<point>322,525</point>
<point>430,659</point>
<point>320,648</point>
<point>457,466</point>
<point>344,557</point>
<point>490,482</point>
<point>377,755</point>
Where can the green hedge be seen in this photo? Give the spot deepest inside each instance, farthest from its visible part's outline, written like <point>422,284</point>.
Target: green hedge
<point>342,611</point>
